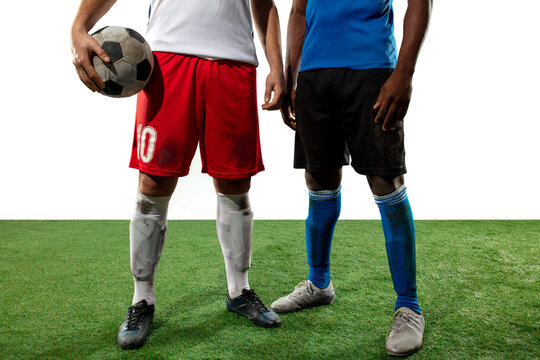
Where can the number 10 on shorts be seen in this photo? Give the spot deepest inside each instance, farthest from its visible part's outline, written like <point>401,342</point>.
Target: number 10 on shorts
<point>146,143</point>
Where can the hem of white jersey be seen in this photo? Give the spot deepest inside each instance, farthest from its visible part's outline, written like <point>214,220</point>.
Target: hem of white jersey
<point>207,57</point>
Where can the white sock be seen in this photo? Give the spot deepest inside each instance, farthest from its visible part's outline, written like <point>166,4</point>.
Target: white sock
<point>234,227</point>
<point>147,236</point>
<point>144,290</point>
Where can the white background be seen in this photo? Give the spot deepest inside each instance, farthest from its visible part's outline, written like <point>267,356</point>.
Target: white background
<point>472,131</point>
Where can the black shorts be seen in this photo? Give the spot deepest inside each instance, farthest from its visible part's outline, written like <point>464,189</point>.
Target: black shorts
<point>334,123</point>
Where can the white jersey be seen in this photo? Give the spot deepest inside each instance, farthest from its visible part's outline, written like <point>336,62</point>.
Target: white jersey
<point>211,29</point>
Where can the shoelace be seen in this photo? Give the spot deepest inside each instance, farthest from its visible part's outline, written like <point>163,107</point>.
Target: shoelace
<point>300,286</point>
<point>298,290</point>
<point>135,316</point>
<point>253,298</point>
<point>399,325</point>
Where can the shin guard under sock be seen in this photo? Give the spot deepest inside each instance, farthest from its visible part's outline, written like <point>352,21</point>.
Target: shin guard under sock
<point>398,227</point>
<point>324,210</point>
<point>234,228</point>
<point>147,236</point>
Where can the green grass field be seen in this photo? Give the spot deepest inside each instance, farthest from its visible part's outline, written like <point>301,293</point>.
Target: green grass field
<point>65,287</point>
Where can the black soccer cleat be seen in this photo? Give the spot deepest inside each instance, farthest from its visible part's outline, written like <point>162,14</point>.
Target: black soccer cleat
<point>250,306</point>
<point>134,329</point>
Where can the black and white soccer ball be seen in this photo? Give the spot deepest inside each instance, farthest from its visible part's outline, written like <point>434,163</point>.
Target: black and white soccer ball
<point>131,63</point>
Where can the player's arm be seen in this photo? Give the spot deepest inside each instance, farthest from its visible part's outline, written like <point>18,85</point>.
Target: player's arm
<point>395,95</point>
<point>296,32</point>
<point>266,20</point>
<point>83,46</point>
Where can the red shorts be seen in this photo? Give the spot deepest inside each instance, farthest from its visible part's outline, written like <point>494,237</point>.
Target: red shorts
<point>191,101</point>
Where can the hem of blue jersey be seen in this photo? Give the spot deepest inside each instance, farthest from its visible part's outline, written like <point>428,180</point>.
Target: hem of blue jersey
<point>348,66</point>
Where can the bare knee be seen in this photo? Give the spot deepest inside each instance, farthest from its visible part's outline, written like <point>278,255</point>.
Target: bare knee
<point>384,185</point>
<point>323,180</point>
<point>153,185</point>
<point>232,186</point>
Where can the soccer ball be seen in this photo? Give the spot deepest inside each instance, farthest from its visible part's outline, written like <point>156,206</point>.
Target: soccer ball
<point>131,63</point>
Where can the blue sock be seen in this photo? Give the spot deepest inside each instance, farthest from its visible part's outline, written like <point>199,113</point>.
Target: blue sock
<point>324,209</point>
<point>398,227</point>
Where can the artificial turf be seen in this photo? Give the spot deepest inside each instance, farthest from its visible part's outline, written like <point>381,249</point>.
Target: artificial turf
<point>65,287</point>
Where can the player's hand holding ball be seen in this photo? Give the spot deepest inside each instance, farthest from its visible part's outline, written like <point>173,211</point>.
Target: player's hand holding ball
<point>84,47</point>
<point>114,61</point>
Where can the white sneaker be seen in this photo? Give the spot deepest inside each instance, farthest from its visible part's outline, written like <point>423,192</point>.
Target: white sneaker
<point>407,334</point>
<point>304,295</point>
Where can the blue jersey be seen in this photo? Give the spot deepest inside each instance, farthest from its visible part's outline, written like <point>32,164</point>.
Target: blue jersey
<point>351,34</point>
